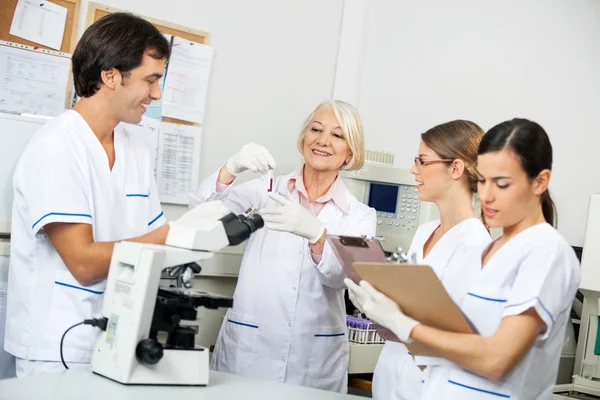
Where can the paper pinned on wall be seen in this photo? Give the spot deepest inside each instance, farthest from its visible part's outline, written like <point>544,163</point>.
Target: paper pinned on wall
<point>184,97</point>
<point>32,82</point>
<point>147,130</point>
<point>40,22</point>
<point>154,110</point>
<point>178,162</point>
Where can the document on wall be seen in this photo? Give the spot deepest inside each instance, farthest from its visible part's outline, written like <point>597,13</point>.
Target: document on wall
<point>40,22</point>
<point>154,110</point>
<point>32,82</point>
<point>178,161</point>
<point>186,85</point>
<point>147,131</point>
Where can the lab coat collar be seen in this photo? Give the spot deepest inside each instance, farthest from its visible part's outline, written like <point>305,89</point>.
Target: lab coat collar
<point>338,193</point>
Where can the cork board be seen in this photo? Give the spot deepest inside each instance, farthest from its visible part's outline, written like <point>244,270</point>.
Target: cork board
<point>97,11</point>
<point>7,11</point>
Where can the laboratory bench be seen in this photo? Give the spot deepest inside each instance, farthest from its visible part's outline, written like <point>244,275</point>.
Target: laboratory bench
<point>83,384</point>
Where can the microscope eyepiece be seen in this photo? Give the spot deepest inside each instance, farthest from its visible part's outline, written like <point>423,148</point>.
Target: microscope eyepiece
<point>239,227</point>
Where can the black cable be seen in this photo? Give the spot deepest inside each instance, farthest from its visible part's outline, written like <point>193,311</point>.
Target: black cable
<point>98,322</point>
<point>61,344</point>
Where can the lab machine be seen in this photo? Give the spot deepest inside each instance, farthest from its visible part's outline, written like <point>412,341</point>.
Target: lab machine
<point>392,192</point>
<point>586,377</point>
<point>148,334</point>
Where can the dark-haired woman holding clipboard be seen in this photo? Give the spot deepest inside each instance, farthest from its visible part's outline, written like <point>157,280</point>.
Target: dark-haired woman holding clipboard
<point>520,299</point>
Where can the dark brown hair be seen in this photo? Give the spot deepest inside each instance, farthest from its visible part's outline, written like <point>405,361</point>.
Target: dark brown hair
<point>117,40</point>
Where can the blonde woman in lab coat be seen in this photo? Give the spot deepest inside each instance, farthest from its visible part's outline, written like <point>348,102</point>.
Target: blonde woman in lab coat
<point>445,172</point>
<point>288,321</point>
<point>524,285</point>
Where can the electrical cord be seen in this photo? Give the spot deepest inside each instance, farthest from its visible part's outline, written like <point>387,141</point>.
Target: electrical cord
<point>97,322</point>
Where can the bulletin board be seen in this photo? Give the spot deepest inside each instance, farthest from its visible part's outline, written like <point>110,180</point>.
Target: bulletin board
<point>97,11</point>
<point>7,11</point>
<point>177,165</point>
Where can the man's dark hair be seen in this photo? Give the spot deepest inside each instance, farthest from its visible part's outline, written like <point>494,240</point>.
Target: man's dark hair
<point>117,40</point>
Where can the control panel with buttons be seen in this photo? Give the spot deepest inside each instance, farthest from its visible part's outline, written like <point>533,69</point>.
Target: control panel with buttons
<point>392,192</point>
<point>406,217</point>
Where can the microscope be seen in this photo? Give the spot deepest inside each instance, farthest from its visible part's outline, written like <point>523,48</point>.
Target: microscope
<point>148,338</point>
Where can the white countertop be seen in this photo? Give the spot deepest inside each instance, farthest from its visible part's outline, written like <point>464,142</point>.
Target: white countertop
<point>78,384</point>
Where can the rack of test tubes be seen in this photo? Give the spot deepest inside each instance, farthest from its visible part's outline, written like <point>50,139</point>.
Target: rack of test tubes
<point>361,330</point>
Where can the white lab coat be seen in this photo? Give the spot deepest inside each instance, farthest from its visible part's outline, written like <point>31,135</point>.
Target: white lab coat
<point>536,269</point>
<point>288,321</point>
<point>63,176</point>
<point>397,376</point>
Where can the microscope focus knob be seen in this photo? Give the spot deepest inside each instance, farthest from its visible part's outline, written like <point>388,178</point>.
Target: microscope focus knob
<point>149,351</point>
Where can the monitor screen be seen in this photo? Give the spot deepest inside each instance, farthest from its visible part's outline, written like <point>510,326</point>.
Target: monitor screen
<point>383,197</point>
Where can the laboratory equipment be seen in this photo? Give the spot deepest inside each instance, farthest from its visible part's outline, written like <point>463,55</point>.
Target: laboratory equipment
<point>133,348</point>
<point>362,330</point>
<point>393,193</point>
<point>588,344</point>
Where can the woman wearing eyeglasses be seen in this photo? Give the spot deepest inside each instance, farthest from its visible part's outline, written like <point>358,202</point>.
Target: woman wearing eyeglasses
<point>445,171</point>
<point>518,300</point>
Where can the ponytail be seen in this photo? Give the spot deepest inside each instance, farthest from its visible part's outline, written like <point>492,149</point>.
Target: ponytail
<point>549,209</point>
<point>477,206</point>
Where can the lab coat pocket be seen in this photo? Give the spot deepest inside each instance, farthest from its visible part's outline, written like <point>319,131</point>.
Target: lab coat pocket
<point>238,347</point>
<point>484,306</point>
<point>329,352</point>
<point>465,385</point>
<point>137,206</point>
<point>71,303</point>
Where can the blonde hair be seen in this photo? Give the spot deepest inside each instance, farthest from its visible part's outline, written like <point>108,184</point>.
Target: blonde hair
<point>457,140</point>
<point>352,129</point>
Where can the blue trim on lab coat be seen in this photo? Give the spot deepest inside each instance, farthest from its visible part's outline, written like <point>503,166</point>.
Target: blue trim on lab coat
<point>58,213</point>
<point>157,217</point>
<point>242,324</point>
<point>77,287</point>
<point>480,390</point>
<point>487,298</point>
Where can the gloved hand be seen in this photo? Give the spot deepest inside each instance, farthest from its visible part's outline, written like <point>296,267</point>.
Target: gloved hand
<point>252,157</point>
<point>291,217</point>
<point>380,309</point>
<point>209,210</point>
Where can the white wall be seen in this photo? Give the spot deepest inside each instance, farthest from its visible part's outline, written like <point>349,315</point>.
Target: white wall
<point>274,61</point>
<point>431,61</point>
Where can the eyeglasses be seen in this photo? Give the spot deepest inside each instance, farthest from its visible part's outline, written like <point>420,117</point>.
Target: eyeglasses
<point>419,162</point>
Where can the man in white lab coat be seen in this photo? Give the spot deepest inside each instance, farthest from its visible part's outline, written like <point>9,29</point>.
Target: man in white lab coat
<point>82,184</point>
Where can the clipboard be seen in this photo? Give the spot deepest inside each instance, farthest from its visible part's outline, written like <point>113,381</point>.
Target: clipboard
<point>421,296</point>
<point>352,249</point>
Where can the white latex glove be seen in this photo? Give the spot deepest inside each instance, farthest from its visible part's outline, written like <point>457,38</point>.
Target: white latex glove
<point>291,217</point>
<point>209,210</point>
<point>251,157</point>
<point>380,309</point>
